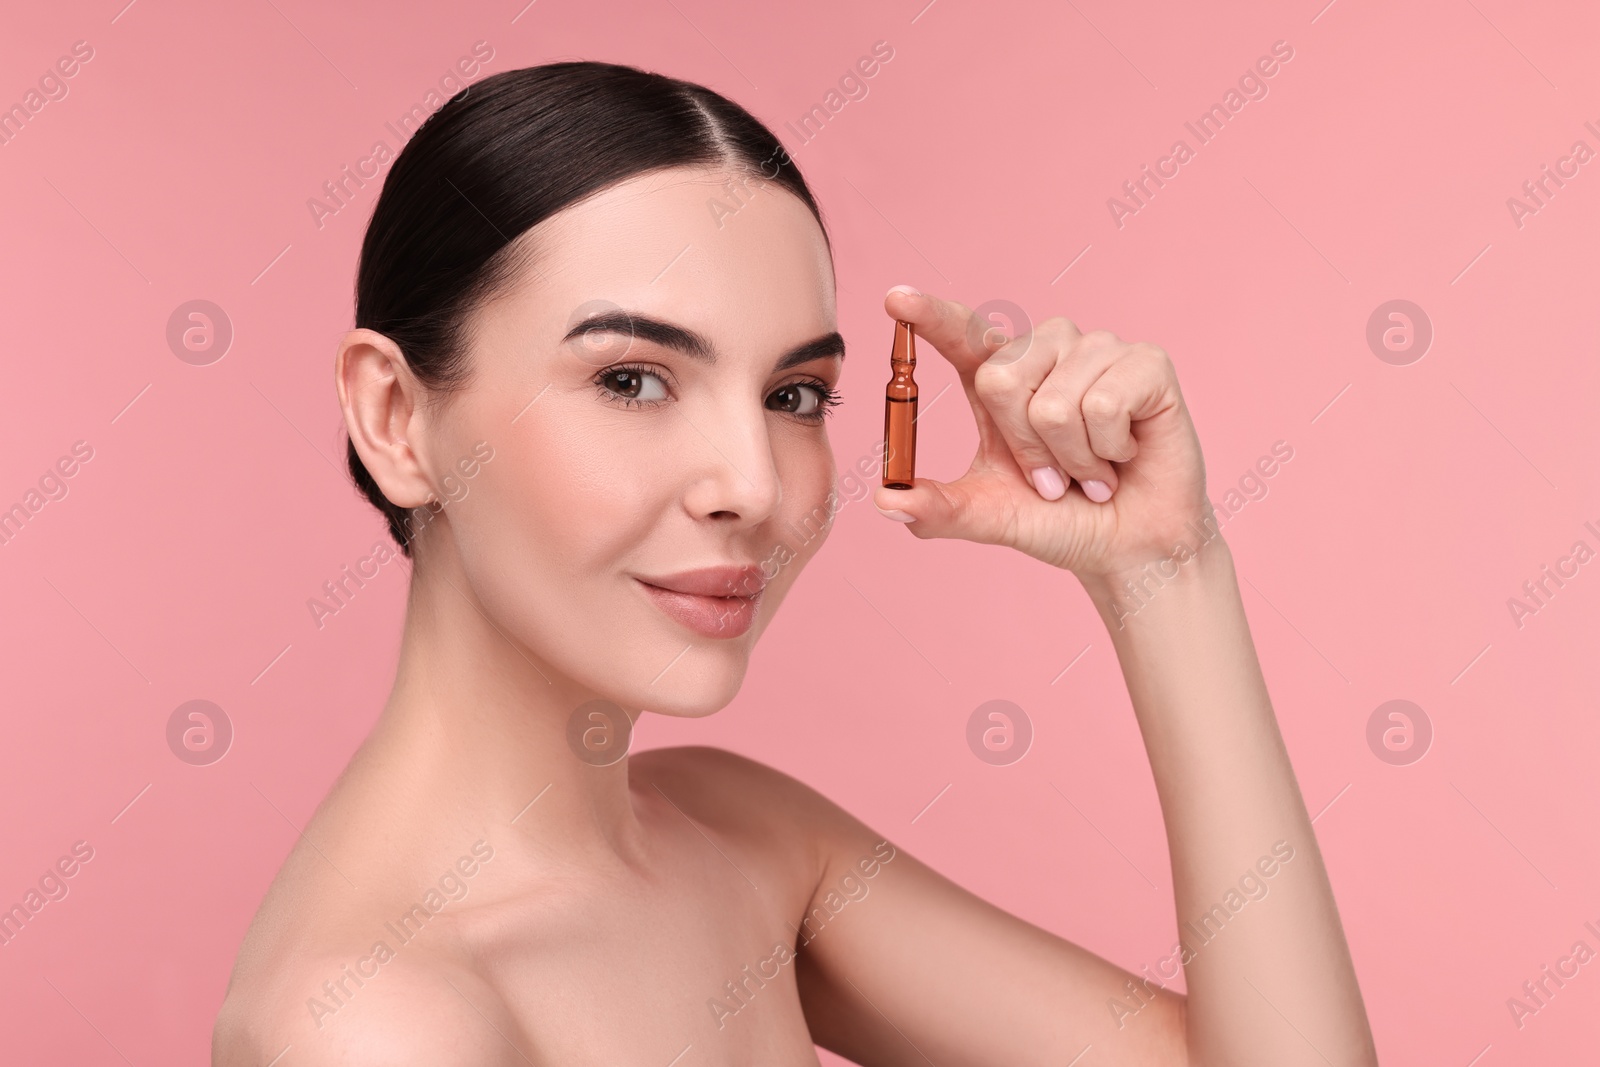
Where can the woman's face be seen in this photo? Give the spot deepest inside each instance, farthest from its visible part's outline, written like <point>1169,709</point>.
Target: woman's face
<point>629,455</point>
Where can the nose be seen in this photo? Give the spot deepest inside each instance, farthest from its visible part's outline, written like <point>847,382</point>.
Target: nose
<point>732,472</point>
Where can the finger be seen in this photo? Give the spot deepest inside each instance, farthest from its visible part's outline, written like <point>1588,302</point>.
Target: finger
<point>1055,411</point>
<point>952,328</point>
<point>971,508</point>
<point>1138,387</point>
<point>1009,384</point>
<point>964,341</point>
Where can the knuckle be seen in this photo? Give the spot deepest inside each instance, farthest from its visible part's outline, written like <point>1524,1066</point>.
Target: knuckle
<point>1154,353</point>
<point>995,381</point>
<point>1100,339</point>
<point>1101,404</point>
<point>1050,411</point>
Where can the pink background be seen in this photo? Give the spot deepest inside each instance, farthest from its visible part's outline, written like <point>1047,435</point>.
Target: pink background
<point>1377,567</point>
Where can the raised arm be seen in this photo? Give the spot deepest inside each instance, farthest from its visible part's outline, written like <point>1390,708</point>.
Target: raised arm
<point>1269,976</point>
<point>1264,956</point>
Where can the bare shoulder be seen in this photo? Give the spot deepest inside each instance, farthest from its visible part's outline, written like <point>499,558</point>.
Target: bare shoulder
<point>423,1011</point>
<point>715,774</point>
<point>747,796</point>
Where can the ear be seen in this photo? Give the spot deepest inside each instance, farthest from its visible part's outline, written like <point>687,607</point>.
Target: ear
<point>383,413</point>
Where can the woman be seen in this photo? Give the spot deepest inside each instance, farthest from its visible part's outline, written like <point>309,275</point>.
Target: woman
<point>595,348</point>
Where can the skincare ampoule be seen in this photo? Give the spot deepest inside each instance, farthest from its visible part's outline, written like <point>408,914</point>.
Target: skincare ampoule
<point>900,411</point>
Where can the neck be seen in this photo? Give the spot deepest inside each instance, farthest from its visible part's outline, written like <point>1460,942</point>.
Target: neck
<point>474,736</point>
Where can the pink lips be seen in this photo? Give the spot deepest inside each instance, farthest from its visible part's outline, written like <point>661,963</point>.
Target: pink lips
<point>712,601</point>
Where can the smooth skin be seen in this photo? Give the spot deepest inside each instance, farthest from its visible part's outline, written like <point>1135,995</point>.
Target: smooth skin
<point>618,903</point>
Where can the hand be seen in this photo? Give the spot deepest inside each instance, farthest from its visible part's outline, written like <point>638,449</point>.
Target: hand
<point>1051,405</point>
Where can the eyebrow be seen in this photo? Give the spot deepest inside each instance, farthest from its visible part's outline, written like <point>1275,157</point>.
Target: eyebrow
<point>692,344</point>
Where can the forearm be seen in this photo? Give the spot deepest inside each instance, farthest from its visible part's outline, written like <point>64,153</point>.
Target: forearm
<point>1269,976</point>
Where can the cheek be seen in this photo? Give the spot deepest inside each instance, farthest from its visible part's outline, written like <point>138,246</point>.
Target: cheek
<point>809,497</point>
<point>547,531</point>
<point>576,498</point>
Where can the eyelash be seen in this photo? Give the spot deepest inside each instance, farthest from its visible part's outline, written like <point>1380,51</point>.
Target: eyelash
<point>829,398</point>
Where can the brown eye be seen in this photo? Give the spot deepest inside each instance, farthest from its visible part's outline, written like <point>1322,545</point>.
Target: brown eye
<point>797,399</point>
<point>633,383</point>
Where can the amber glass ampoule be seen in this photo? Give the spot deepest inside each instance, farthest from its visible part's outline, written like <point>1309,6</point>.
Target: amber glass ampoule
<point>900,411</point>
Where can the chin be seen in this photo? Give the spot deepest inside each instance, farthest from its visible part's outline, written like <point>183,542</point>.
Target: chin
<point>702,682</point>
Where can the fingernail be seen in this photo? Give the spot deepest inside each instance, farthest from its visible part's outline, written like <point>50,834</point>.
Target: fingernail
<point>1048,481</point>
<point>1097,491</point>
<point>906,289</point>
<point>897,516</point>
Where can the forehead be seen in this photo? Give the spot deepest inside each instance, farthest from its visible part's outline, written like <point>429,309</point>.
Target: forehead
<point>739,260</point>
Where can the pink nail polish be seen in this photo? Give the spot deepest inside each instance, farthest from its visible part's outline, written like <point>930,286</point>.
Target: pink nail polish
<point>1047,480</point>
<point>897,516</point>
<point>1097,491</point>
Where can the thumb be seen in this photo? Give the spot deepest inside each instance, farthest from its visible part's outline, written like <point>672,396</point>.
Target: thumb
<point>970,508</point>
